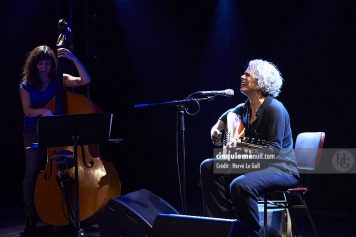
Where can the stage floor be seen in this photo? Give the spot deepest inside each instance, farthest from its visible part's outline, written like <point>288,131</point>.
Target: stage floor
<point>12,222</point>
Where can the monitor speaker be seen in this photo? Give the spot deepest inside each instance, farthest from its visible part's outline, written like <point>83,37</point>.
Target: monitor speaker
<point>132,214</point>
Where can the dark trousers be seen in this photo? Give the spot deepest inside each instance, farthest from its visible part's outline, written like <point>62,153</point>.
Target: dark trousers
<point>236,196</point>
<point>35,160</point>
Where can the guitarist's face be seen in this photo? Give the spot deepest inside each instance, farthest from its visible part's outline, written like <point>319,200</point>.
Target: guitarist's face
<point>249,83</point>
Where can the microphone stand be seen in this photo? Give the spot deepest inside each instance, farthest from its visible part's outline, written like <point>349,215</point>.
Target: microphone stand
<point>180,139</point>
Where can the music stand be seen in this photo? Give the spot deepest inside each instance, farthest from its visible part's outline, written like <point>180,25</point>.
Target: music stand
<point>74,130</point>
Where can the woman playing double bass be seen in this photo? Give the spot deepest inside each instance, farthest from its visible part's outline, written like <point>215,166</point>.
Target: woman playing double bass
<point>37,88</point>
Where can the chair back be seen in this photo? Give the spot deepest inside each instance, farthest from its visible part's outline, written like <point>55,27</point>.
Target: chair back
<point>308,147</point>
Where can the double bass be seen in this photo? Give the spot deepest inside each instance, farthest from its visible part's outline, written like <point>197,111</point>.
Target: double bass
<point>98,180</point>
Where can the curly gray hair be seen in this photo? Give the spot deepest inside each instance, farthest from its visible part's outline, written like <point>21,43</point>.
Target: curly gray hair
<point>268,76</point>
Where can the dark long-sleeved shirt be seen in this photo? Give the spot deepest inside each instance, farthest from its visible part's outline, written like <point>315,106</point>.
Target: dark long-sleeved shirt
<point>273,125</point>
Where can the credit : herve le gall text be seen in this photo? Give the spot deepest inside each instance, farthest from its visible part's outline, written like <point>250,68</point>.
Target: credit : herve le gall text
<point>234,165</point>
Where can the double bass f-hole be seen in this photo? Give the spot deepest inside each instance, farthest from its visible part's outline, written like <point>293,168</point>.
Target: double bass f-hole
<point>91,162</point>
<point>63,159</point>
<point>46,175</point>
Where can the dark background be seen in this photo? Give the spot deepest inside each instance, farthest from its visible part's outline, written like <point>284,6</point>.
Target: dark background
<point>145,51</point>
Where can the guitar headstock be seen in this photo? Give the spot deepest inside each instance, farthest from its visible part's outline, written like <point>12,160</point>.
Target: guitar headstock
<point>255,141</point>
<point>249,142</point>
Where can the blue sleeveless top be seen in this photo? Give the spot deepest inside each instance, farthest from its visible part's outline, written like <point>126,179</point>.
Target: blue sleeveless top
<point>38,100</point>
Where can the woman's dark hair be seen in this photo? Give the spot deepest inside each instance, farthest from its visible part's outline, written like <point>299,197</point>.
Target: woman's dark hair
<point>30,72</point>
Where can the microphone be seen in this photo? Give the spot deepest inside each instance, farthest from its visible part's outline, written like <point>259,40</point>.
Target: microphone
<point>227,93</point>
